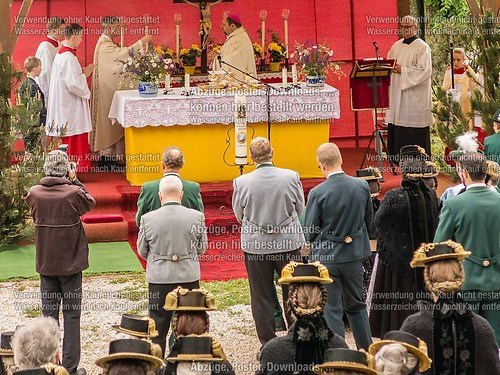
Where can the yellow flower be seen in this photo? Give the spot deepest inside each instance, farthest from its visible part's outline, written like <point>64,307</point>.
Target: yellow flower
<point>184,51</point>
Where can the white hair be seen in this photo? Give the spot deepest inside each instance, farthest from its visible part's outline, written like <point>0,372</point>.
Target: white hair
<point>394,359</point>
<point>170,185</point>
<point>36,343</point>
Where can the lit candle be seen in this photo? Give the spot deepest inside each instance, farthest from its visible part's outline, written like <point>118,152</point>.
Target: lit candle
<point>122,34</point>
<point>146,30</point>
<point>285,13</point>
<point>187,83</point>
<point>263,16</point>
<point>284,76</point>
<point>294,73</point>
<point>167,81</point>
<point>177,19</point>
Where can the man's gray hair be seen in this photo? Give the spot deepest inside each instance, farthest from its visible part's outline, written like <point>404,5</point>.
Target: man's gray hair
<point>56,164</point>
<point>170,185</point>
<point>173,158</point>
<point>36,343</point>
<point>110,20</point>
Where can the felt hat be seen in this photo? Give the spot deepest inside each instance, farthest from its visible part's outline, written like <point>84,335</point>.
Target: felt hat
<point>369,174</point>
<point>413,150</point>
<point>181,299</point>
<point>345,359</point>
<point>493,169</point>
<point>430,170</point>
<point>430,252</point>
<point>235,17</point>
<point>295,272</point>
<point>6,343</point>
<point>412,343</point>
<point>130,349</point>
<point>496,116</point>
<point>196,348</point>
<point>137,325</point>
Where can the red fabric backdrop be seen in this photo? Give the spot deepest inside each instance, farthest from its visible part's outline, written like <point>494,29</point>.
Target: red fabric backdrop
<point>348,26</point>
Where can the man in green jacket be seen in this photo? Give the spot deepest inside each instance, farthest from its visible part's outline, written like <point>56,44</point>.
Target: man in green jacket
<point>492,142</point>
<point>172,162</point>
<point>470,218</point>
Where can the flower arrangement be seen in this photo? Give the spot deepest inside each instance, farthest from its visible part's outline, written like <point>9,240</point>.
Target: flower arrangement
<point>189,55</point>
<point>164,51</point>
<point>257,49</point>
<point>314,60</point>
<point>147,66</point>
<point>277,52</point>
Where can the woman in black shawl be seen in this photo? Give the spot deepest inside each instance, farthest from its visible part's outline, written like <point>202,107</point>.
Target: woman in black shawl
<point>407,217</point>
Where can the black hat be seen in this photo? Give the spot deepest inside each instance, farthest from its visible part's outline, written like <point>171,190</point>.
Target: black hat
<point>430,252</point>
<point>413,150</point>
<point>369,173</point>
<point>295,272</point>
<point>130,349</point>
<point>137,325</point>
<point>346,359</point>
<point>195,348</point>
<point>182,299</point>
<point>496,116</point>
<point>411,342</point>
<point>6,343</point>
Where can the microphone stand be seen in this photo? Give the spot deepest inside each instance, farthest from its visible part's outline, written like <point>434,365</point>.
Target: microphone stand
<point>268,92</point>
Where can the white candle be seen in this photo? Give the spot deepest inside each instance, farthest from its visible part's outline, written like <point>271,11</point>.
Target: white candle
<point>167,81</point>
<point>177,39</point>
<point>263,53</point>
<point>294,73</point>
<point>286,36</point>
<point>186,82</point>
<point>284,76</point>
<point>146,32</point>
<point>122,33</point>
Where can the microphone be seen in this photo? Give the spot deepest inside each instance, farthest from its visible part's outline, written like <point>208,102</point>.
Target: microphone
<point>376,45</point>
<point>220,59</point>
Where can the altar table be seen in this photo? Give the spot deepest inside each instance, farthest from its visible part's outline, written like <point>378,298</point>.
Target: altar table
<point>202,126</point>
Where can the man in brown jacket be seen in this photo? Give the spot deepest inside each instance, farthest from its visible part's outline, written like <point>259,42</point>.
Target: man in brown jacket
<point>57,203</point>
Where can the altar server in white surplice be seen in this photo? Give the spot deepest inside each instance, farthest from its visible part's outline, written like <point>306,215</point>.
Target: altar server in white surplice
<point>47,51</point>
<point>107,138</point>
<point>68,113</point>
<point>237,50</point>
<point>410,104</point>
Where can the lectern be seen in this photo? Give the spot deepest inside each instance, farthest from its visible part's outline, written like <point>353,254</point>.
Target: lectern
<point>370,80</point>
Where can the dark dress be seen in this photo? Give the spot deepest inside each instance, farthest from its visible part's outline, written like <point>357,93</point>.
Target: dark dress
<point>407,217</point>
<point>465,341</point>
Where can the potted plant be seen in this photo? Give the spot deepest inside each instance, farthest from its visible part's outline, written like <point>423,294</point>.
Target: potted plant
<point>148,68</point>
<point>314,62</point>
<point>277,53</point>
<point>188,57</point>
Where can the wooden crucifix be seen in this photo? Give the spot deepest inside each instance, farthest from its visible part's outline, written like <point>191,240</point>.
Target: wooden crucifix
<point>205,24</point>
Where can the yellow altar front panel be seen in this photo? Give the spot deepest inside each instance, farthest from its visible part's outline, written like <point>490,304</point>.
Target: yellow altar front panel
<point>203,146</point>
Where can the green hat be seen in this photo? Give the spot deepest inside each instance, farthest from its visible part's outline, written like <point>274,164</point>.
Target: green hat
<point>496,116</point>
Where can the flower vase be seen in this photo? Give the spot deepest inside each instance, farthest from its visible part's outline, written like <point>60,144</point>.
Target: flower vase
<point>189,69</point>
<point>315,81</point>
<point>148,89</point>
<point>274,66</point>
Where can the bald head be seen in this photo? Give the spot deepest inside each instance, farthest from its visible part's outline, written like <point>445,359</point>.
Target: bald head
<point>328,154</point>
<point>173,159</point>
<point>170,189</point>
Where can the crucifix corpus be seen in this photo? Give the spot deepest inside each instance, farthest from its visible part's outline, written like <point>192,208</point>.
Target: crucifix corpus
<point>205,24</point>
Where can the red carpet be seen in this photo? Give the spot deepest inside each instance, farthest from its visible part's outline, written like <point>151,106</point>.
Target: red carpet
<point>223,259</point>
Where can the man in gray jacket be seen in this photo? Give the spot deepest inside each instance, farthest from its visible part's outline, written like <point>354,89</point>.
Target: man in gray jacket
<point>170,239</point>
<point>267,202</point>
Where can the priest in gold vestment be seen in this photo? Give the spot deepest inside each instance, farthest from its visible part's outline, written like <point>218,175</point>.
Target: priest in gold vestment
<point>107,138</point>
